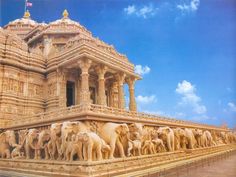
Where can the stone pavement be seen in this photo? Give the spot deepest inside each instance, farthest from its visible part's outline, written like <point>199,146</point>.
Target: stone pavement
<point>225,167</point>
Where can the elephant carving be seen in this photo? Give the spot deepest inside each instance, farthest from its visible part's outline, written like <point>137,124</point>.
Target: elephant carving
<point>73,147</point>
<point>209,139</point>
<point>159,145</point>
<point>92,145</point>
<point>167,135</point>
<point>31,143</point>
<point>191,141</point>
<point>198,134</point>
<point>134,146</point>
<point>55,142</point>
<point>42,144</point>
<point>148,147</point>
<point>67,130</point>
<point>7,141</point>
<point>112,134</point>
<point>180,138</point>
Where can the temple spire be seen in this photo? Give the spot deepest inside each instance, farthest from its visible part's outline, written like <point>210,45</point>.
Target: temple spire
<point>65,14</point>
<point>26,14</point>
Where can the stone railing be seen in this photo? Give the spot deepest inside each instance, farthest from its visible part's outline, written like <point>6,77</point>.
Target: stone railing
<point>102,111</point>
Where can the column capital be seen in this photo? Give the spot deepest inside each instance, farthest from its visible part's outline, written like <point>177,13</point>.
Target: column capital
<point>84,65</point>
<point>130,81</point>
<point>101,70</point>
<point>120,77</point>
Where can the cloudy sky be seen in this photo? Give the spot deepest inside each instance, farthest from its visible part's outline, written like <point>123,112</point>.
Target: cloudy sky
<point>185,50</point>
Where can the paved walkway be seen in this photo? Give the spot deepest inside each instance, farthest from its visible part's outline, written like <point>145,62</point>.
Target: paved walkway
<point>222,168</point>
<point>225,167</point>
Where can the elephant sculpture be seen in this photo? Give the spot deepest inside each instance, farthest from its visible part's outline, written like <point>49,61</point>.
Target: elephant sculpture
<point>180,138</point>
<point>68,129</point>
<point>167,135</point>
<point>190,139</point>
<point>148,147</point>
<point>112,134</point>
<point>92,145</point>
<point>31,143</point>
<point>209,139</point>
<point>55,141</point>
<point>42,144</point>
<point>135,145</point>
<point>198,134</point>
<point>7,141</point>
<point>159,145</point>
<point>73,147</point>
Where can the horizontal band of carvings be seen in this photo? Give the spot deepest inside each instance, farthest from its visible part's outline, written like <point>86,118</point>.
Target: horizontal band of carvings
<point>22,66</point>
<point>106,113</point>
<point>111,166</point>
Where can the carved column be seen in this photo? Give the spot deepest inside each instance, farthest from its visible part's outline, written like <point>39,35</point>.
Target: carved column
<point>132,101</point>
<point>84,92</point>
<point>121,98</point>
<point>47,45</point>
<point>61,88</point>
<point>101,70</point>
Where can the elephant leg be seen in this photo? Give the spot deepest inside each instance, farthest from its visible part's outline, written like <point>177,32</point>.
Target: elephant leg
<point>130,147</point>
<point>85,154</point>
<point>80,151</point>
<point>99,153</point>
<point>121,149</point>
<point>27,151</point>
<point>112,144</point>
<point>46,153</point>
<point>8,154</point>
<point>169,145</point>
<point>73,152</point>
<point>90,151</point>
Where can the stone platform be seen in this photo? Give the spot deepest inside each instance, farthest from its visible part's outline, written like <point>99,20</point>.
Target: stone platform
<point>132,166</point>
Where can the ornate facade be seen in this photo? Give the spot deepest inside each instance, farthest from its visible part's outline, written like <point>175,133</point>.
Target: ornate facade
<point>62,98</point>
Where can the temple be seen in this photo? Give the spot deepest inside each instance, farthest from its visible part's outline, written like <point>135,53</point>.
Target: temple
<point>60,64</point>
<point>60,86</point>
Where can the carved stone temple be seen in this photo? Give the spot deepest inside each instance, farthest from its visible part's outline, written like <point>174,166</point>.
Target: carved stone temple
<point>63,113</point>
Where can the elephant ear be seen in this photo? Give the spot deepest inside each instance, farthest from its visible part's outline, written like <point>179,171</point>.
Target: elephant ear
<point>3,137</point>
<point>85,137</point>
<point>167,130</point>
<point>118,129</point>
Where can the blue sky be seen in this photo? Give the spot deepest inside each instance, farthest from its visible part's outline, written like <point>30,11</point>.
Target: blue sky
<point>184,49</point>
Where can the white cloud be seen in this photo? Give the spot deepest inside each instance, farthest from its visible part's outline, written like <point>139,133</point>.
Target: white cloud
<point>145,11</point>
<point>191,6</point>
<point>130,9</point>
<point>189,97</point>
<point>146,99</point>
<point>232,106</point>
<point>141,70</point>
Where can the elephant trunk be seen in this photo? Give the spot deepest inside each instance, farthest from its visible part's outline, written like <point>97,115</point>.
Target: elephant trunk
<point>12,141</point>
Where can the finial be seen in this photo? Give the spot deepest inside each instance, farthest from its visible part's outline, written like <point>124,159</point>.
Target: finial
<point>27,14</point>
<point>65,14</point>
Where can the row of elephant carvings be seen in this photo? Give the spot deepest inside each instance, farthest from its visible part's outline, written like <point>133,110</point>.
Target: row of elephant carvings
<point>90,140</point>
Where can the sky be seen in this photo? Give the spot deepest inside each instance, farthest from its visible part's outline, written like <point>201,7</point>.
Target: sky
<point>185,50</point>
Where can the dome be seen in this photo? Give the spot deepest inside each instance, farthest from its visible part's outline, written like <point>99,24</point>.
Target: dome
<point>26,20</point>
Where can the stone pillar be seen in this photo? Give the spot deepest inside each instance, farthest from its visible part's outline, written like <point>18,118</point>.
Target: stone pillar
<point>47,46</point>
<point>61,87</point>
<point>84,92</point>
<point>101,70</point>
<point>121,98</point>
<point>132,101</point>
